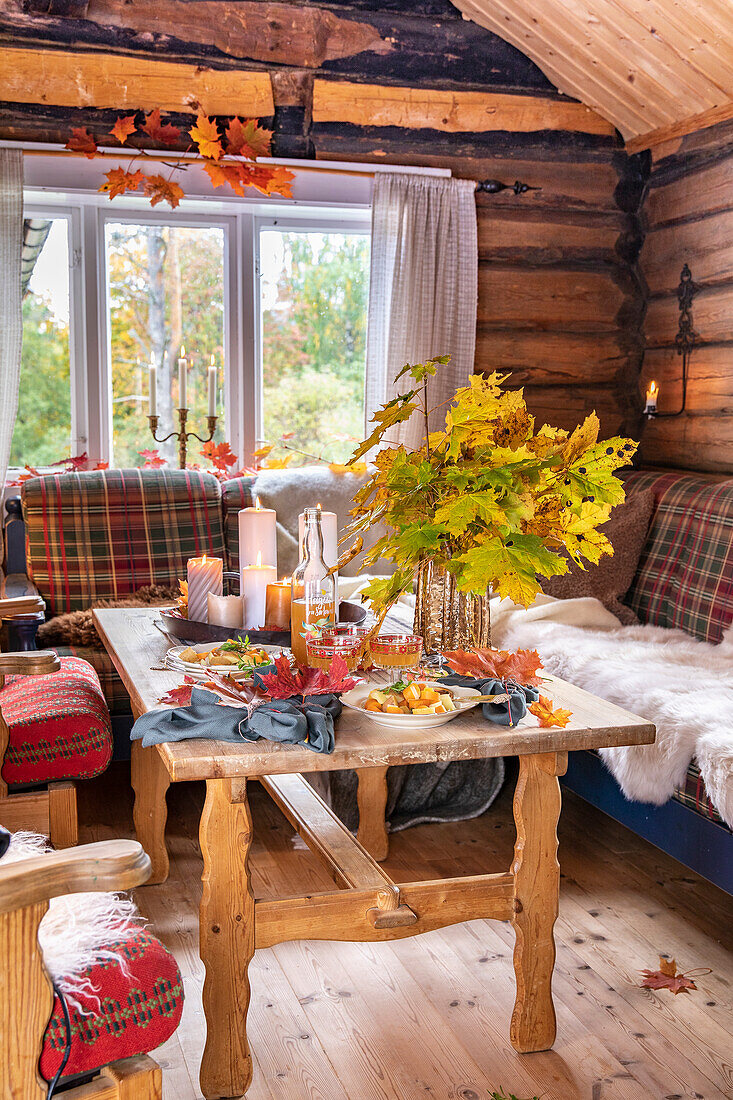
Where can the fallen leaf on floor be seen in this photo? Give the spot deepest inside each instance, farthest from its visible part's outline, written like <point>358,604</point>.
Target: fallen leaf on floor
<point>667,977</point>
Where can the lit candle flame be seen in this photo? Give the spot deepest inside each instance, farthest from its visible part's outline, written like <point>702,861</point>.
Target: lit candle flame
<point>212,360</point>
<point>257,504</point>
<point>183,352</point>
<point>318,506</point>
<point>259,559</point>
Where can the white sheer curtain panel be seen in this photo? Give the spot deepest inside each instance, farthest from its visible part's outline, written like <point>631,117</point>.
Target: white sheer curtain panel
<point>11,322</point>
<point>423,289</point>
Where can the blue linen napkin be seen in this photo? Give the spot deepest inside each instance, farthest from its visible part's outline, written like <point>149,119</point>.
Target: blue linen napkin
<point>295,721</point>
<point>498,712</point>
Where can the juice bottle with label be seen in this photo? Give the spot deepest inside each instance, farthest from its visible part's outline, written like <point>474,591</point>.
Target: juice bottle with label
<point>314,590</point>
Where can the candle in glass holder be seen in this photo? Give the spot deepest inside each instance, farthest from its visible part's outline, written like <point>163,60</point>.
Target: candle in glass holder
<point>224,611</point>
<point>277,605</point>
<point>330,531</point>
<point>255,580</point>
<point>204,575</point>
<point>257,535</point>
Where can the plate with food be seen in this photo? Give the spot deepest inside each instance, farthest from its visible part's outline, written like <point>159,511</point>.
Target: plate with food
<point>237,657</point>
<point>412,705</point>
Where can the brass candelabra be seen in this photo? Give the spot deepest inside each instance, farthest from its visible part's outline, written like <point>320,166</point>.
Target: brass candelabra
<point>182,435</point>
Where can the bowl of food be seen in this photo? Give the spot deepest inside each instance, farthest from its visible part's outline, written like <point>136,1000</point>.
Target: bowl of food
<point>236,657</point>
<point>411,705</point>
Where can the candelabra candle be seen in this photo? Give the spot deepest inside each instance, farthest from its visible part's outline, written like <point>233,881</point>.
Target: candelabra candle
<point>330,530</point>
<point>204,575</point>
<point>257,535</point>
<point>255,581</point>
<point>182,377</point>
<point>212,387</point>
<point>153,387</point>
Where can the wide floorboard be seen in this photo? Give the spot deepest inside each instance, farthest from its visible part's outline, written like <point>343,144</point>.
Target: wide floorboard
<point>428,1017</point>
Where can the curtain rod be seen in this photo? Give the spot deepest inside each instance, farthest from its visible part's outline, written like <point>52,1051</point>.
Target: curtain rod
<point>489,187</point>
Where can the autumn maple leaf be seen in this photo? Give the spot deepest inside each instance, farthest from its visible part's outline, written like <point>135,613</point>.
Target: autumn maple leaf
<point>267,180</point>
<point>220,455</point>
<point>178,696</point>
<point>81,141</point>
<point>152,459</point>
<point>123,127</point>
<point>544,711</point>
<point>667,978</point>
<point>247,139</point>
<point>159,131</point>
<point>120,181</point>
<point>159,189</point>
<point>497,664</point>
<point>206,135</point>
<point>285,683</point>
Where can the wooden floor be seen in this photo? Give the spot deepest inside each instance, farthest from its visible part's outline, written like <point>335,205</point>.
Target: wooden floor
<point>428,1017</point>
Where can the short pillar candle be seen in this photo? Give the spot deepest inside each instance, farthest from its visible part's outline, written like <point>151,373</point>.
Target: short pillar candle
<point>255,579</point>
<point>204,575</point>
<point>224,611</point>
<point>277,605</point>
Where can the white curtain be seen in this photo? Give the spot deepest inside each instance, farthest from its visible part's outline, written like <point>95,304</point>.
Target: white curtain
<point>423,289</point>
<point>11,324</point>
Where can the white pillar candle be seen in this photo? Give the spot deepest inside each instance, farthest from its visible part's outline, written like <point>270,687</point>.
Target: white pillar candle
<point>204,575</point>
<point>224,611</point>
<point>182,376</point>
<point>212,387</point>
<point>153,386</point>
<point>330,529</point>
<point>255,579</point>
<point>257,535</point>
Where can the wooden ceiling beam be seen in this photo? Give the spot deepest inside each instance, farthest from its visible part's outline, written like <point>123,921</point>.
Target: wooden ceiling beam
<point>663,134</point>
<point>60,79</point>
<point>450,111</point>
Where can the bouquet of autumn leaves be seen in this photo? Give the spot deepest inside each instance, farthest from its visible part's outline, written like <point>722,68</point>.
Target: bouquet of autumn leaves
<point>490,499</point>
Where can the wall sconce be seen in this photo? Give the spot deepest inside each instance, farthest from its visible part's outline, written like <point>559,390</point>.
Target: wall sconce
<point>684,342</point>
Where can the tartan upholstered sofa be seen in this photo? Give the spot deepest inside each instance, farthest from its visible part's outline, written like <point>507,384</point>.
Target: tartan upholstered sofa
<point>106,534</point>
<point>684,580</point>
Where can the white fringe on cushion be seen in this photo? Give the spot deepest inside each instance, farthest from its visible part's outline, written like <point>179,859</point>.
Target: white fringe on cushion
<point>77,929</point>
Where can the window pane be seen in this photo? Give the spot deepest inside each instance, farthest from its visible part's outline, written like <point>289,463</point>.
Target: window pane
<point>166,288</point>
<point>42,432</point>
<point>313,297</point>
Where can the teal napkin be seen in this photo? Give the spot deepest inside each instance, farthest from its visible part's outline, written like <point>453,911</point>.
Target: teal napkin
<point>503,714</point>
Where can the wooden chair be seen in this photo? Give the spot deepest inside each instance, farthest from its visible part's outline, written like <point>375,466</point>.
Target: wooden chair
<point>26,994</point>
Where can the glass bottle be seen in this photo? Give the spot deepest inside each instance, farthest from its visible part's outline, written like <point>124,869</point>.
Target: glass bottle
<point>314,590</point>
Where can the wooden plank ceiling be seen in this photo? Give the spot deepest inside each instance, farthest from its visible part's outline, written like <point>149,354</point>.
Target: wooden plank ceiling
<point>657,69</point>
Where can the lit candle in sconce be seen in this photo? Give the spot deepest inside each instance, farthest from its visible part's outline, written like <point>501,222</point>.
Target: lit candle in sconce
<point>212,387</point>
<point>182,378</point>
<point>651,399</point>
<point>153,386</point>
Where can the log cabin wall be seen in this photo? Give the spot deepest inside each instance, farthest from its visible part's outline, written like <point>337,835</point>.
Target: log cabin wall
<point>689,215</point>
<point>560,299</point>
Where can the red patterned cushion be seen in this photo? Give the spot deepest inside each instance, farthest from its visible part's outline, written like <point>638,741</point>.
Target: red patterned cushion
<point>114,691</point>
<point>104,534</point>
<point>693,794</point>
<point>59,725</point>
<point>685,574</point>
<point>133,1010</point>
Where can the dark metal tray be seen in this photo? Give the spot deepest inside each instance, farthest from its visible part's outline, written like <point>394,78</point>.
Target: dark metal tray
<point>191,631</point>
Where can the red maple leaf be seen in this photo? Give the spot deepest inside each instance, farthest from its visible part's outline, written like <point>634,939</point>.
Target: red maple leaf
<point>219,455</point>
<point>81,141</point>
<point>158,131</point>
<point>668,978</point>
<point>123,127</point>
<point>76,462</point>
<point>247,139</point>
<point>498,664</point>
<point>178,696</point>
<point>102,466</point>
<point>152,459</point>
<point>159,189</point>
<point>285,683</point>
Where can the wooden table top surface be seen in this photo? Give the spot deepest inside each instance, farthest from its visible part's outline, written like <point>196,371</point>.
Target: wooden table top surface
<point>136,647</point>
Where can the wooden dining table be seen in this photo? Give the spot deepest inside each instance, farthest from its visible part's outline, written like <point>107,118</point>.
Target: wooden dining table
<point>366,903</point>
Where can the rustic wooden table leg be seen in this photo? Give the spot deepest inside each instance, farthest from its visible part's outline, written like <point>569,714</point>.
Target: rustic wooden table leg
<point>227,937</point>
<point>537,891</point>
<point>150,782</point>
<point>371,797</point>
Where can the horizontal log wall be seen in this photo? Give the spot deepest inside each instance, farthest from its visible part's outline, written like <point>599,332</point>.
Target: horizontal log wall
<point>690,220</point>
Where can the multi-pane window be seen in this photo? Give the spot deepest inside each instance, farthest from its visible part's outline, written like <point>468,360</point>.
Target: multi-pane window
<point>42,433</point>
<point>313,300</point>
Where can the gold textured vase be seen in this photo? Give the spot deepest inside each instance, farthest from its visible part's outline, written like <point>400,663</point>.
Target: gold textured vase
<point>447,618</point>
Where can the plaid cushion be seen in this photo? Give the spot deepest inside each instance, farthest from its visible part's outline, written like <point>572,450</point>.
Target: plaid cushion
<point>685,574</point>
<point>114,691</point>
<point>104,534</point>
<point>59,725</point>
<point>694,795</point>
<point>236,494</point>
<point>127,1011</point>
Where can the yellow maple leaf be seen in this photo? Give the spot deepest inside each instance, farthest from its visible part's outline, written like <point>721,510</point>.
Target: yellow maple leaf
<point>544,711</point>
<point>206,135</point>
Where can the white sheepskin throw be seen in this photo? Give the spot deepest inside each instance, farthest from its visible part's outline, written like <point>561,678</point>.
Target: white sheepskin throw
<point>683,686</point>
<point>77,928</point>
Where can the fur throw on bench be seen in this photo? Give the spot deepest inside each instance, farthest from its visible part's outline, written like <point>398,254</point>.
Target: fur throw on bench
<point>77,929</point>
<point>76,628</point>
